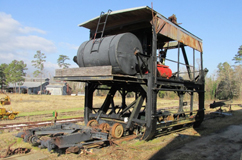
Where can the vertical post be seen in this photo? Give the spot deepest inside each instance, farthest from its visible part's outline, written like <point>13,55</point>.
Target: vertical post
<point>202,73</point>
<point>201,56</point>
<point>191,103</point>
<point>178,60</point>
<point>123,98</point>
<point>186,62</point>
<point>201,98</point>
<point>201,95</point>
<point>155,75</point>
<point>194,65</point>
<point>88,101</point>
<point>181,96</point>
<point>151,93</point>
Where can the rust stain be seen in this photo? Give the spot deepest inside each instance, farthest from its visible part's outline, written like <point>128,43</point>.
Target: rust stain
<point>178,35</point>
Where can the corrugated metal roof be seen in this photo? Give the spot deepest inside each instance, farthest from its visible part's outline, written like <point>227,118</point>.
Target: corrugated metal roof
<point>26,85</point>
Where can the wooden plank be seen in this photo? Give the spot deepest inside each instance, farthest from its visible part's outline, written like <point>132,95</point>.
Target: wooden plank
<point>84,79</point>
<point>84,71</point>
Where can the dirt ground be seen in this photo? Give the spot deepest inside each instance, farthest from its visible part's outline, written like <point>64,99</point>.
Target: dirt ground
<point>218,138</point>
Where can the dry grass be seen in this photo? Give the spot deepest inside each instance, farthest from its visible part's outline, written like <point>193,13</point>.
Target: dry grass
<point>131,150</point>
<point>42,103</point>
<point>33,103</point>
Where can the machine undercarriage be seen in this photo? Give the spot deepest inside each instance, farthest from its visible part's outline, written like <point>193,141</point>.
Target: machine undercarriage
<point>129,59</point>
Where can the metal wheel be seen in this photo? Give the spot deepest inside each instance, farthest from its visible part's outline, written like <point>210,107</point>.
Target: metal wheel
<point>33,140</point>
<point>104,127</point>
<point>27,136</point>
<point>117,130</point>
<point>11,116</point>
<point>92,123</point>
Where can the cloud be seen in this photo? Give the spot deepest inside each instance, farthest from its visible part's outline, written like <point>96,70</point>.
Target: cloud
<point>34,42</point>
<point>69,46</point>
<point>17,40</point>
<point>30,29</point>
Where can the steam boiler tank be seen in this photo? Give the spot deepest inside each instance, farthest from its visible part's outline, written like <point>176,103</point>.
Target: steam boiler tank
<point>116,50</point>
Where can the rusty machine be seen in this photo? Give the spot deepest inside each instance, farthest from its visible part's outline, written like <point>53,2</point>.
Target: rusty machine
<point>126,53</point>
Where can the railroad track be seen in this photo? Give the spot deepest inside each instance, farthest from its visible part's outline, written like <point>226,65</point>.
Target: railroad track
<point>25,125</point>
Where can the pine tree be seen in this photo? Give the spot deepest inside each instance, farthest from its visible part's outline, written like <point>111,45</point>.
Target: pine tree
<point>238,57</point>
<point>61,61</point>
<point>39,64</point>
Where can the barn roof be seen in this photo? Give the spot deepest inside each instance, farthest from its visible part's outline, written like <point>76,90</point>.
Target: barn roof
<point>27,85</point>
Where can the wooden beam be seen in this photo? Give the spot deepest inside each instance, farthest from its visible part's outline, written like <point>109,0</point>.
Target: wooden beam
<point>84,71</point>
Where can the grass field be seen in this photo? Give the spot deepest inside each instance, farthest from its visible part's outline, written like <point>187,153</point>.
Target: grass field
<point>40,107</point>
<point>36,105</point>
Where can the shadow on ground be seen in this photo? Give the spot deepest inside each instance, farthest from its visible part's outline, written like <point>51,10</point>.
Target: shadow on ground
<point>225,142</point>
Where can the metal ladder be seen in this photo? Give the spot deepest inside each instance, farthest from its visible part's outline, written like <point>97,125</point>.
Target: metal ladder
<point>96,43</point>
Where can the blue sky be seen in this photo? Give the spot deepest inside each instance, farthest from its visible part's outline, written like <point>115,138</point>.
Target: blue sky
<point>52,27</point>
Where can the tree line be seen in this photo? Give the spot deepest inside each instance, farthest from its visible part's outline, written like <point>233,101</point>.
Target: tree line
<point>227,83</point>
<point>14,72</point>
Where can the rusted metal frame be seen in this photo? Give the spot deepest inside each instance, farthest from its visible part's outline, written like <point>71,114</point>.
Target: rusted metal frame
<point>158,30</point>
<point>193,64</point>
<point>201,95</point>
<point>123,93</point>
<point>168,82</point>
<point>175,123</point>
<point>113,106</point>
<point>191,103</point>
<point>89,89</point>
<point>38,123</point>
<point>139,121</point>
<point>100,115</point>
<point>202,72</point>
<point>104,108</point>
<point>128,107</point>
<point>8,151</point>
<point>176,114</point>
<point>123,98</point>
<point>66,141</point>
<point>177,33</point>
<point>169,89</point>
<point>163,84</point>
<point>151,94</point>
<point>201,99</point>
<point>57,131</point>
<point>181,96</point>
<point>178,60</point>
<point>136,110</point>
<point>186,61</point>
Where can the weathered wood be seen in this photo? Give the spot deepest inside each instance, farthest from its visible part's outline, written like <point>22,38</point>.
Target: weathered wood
<point>83,79</point>
<point>84,71</point>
